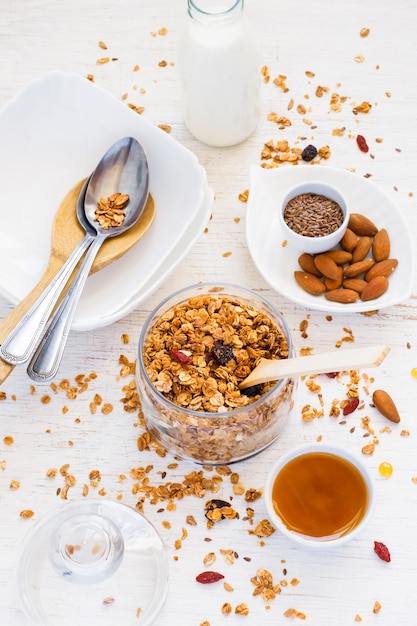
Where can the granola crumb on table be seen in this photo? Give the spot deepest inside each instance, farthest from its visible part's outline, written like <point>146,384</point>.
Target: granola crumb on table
<point>293,613</point>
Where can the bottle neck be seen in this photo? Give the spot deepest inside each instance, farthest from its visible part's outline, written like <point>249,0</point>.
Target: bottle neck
<point>215,12</point>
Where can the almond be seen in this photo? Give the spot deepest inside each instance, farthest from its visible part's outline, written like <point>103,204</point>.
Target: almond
<point>310,283</point>
<point>349,240</point>
<point>340,257</point>
<point>385,405</point>
<point>344,296</point>
<point>381,246</point>
<point>357,284</point>
<point>383,268</point>
<point>334,283</point>
<point>306,262</point>
<point>362,225</point>
<point>354,270</point>
<point>375,288</point>
<point>326,266</point>
<point>363,246</point>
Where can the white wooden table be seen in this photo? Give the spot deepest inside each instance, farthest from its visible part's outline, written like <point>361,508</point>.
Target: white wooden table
<point>296,38</point>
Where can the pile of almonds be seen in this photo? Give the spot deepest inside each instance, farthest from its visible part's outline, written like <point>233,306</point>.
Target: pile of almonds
<point>358,269</point>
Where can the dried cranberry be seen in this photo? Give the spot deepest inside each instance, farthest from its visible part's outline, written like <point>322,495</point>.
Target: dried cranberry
<point>179,356</point>
<point>332,374</point>
<point>351,406</point>
<point>222,353</point>
<point>362,145</point>
<point>382,551</point>
<point>309,153</point>
<point>255,390</point>
<point>208,577</point>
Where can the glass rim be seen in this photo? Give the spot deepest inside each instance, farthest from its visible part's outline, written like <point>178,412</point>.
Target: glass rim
<point>37,540</point>
<point>211,415</point>
<point>194,5</point>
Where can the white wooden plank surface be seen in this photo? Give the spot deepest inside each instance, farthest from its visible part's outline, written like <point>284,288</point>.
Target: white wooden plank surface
<point>322,37</point>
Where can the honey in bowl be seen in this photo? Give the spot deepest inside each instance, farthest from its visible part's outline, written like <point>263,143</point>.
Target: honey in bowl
<point>320,496</point>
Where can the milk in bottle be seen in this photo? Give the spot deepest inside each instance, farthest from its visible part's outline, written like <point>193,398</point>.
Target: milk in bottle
<point>220,72</point>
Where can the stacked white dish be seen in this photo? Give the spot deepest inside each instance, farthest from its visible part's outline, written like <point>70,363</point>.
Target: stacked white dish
<point>53,134</point>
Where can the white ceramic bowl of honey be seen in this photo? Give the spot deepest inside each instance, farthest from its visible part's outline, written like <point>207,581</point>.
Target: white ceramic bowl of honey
<point>319,495</point>
<point>314,216</point>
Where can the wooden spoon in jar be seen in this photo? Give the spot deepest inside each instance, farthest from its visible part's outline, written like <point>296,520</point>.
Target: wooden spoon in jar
<point>274,369</point>
<point>66,235</point>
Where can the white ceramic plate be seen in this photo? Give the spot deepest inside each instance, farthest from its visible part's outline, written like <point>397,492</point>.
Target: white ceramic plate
<point>277,263</point>
<point>53,133</point>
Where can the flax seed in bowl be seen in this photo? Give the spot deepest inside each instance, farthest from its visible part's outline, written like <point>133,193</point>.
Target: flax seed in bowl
<point>194,350</point>
<point>314,217</point>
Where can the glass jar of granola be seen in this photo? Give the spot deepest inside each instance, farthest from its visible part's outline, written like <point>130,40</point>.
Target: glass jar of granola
<point>194,350</point>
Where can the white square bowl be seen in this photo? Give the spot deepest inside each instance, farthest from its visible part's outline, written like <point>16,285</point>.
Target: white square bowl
<point>54,132</point>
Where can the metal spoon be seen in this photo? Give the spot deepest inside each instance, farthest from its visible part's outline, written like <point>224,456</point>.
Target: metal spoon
<point>124,168</point>
<point>19,344</point>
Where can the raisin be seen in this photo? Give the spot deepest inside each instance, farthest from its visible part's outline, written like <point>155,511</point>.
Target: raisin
<point>208,577</point>
<point>216,504</point>
<point>382,551</point>
<point>255,390</point>
<point>223,354</point>
<point>362,145</point>
<point>351,406</point>
<point>219,505</point>
<point>309,153</point>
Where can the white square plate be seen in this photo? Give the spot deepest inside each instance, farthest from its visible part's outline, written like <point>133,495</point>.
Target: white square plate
<point>53,133</point>
<point>277,262</point>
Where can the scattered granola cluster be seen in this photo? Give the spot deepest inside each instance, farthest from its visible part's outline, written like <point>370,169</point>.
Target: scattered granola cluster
<point>104,60</point>
<point>110,212</point>
<point>278,152</point>
<point>157,490</point>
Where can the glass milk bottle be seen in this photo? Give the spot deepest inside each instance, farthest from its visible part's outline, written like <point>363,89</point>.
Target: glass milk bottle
<point>220,72</point>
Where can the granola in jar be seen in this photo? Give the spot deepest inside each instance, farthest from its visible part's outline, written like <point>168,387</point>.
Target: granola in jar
<point>194,351</point>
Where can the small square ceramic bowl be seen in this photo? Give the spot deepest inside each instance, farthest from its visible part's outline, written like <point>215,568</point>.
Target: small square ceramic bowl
<point>319,495</point>
<point>314,217</point>
<point>194,349</point>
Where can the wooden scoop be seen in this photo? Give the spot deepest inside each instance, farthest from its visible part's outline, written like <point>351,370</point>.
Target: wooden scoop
<point>357,358</point>
<point>66,234</point>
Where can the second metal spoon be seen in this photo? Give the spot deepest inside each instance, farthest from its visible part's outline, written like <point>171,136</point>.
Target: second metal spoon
<point>20,343</point>
<point>123,169</point>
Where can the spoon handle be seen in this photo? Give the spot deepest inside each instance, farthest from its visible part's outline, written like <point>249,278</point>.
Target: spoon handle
<point>19,344</point>
<point>356,358</point>
<point>47,357</point>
